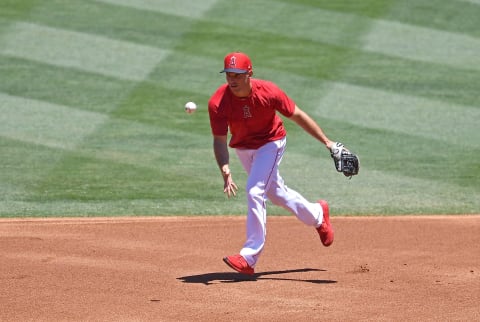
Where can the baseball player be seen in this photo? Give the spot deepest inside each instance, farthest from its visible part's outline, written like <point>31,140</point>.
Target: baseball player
<point>247,107</point>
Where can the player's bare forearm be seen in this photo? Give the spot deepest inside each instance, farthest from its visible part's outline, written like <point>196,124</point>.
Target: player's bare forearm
<point>310,126</point>
<point>220,149</point>
<point>222,156</point>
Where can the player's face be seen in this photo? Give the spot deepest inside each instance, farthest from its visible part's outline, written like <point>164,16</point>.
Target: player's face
<point>239,83</point>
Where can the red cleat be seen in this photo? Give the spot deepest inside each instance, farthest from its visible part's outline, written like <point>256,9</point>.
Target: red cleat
<point>238,263</point>
<point>325,230</point>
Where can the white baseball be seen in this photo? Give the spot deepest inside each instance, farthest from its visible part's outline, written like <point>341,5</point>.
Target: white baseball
<point>190,107</point>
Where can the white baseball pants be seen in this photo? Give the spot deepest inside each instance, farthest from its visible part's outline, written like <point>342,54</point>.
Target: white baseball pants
<point>264,181</point>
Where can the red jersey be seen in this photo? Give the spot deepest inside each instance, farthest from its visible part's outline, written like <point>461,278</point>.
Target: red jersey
<point>252,120</point>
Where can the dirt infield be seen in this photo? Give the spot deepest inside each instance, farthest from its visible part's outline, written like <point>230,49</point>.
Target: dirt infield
<point>171,269</point>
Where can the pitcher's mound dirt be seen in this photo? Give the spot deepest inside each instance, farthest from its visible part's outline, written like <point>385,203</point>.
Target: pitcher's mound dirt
<point>171,269</point>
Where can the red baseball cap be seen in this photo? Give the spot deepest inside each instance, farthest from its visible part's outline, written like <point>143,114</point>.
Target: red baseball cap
<point>237,62</point>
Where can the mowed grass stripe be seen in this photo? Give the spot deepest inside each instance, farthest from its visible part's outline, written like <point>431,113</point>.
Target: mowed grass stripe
<point>454,16</point>
<point>413,78</point>
<point>423,44</point>
<point>381,36</point>
<point>193,9</point>
<point>140,144</point>
<point>418,116</point>
<point>460,16</point>
<point>141,207</point>
<point>374,191</point>
<point>364,106</point>
<point>44,123</point>
<point>189,72</point>
<point>24,164</point>
<point>81,51</point>
<point>406,155</point>
<point>393,76</point>
<point>318,62</point>
<point>62,86</point>
<point>292,20</point>
<point>150,28</point>
<point>472,1</point>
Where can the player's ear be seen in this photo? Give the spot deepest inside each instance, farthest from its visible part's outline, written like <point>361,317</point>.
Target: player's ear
<point>250,73</point>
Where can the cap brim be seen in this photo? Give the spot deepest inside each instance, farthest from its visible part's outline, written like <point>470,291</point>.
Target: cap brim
<point>234,70</point>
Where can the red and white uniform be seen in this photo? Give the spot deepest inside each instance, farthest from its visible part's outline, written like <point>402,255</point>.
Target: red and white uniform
<point>253,120</point>
<point>259,139</point>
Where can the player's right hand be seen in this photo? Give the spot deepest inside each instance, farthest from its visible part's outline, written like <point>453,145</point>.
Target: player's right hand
<point>229,187</point>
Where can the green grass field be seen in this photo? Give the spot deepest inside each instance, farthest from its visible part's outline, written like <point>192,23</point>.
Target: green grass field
<point>92,96</point>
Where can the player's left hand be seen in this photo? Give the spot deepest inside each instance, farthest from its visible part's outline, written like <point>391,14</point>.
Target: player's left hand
<point>344,160</point>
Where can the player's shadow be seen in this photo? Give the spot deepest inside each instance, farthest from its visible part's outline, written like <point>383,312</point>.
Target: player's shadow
<point>233,277</point>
